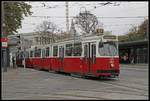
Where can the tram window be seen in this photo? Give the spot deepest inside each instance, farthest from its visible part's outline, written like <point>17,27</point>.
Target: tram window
<point>31,53</point>
<point>55,50</point>
<point>85,51</point>
<point>61,51</point>
<point>43,52</point>
<point>69,50</point>
<point>77,49</point>
<point>50,51</point>
<point>94,53</point>
<point>93,50</point>
<point>39,53</point>
<point>25,54</point>
<point>35,52</point>
<point>108,49</point>
<point>47,51</point>
<point>21,55</point>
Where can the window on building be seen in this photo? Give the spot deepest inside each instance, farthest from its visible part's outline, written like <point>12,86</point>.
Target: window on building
<point>55,50</point>
<point>77,49</point>
<point>69,50</point>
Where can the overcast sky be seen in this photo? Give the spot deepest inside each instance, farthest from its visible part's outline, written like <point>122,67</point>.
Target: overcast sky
<point>106,14</point>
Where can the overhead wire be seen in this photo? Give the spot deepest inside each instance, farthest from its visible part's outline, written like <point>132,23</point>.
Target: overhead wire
<point>104,17</point>
<point>119,17</point>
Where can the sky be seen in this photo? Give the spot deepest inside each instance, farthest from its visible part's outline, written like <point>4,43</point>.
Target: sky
<point>117,18</point>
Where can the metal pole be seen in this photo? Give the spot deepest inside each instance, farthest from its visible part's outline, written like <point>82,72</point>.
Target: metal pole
<point>23,49</point>
<point>67,17</point>
<point>3,30</point>
<point>24,63</point>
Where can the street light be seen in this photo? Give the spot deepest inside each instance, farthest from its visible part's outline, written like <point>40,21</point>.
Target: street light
<point>4,34</point>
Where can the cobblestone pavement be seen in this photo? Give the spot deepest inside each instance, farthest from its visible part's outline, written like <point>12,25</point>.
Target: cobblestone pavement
<point>33,84</point>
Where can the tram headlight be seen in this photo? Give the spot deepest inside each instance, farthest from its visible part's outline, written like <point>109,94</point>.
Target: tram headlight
<point>112,65</point>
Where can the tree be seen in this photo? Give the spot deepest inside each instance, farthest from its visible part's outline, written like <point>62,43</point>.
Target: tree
<point>143,29</point>
<point>46,31</point>
<point>86,22</point>
<point>13,14</point>
<point>136,33</point>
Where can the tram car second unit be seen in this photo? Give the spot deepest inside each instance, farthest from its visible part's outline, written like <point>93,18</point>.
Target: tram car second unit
<point>86,56</point>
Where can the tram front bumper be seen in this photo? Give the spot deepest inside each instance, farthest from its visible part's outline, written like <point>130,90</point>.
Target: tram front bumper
<point>108,72</point>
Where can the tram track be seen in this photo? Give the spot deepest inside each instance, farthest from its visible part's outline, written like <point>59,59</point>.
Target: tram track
<point>107,91</point>
<point>131,88</point>
<point>121,85</point>
<point>111,83</point>
<point>117,84</point>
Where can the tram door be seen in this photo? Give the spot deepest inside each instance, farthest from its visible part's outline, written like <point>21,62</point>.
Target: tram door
<point>89,57</point>
<point>61,57</point>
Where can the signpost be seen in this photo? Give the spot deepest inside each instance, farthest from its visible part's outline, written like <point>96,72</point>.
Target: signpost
<point>4,42</point>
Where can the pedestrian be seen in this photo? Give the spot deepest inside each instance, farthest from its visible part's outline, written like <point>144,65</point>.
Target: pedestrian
<point>13,61</point>
<point>125,58</point>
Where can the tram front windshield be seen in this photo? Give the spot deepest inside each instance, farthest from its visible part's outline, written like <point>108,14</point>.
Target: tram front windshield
<point>108,48</point>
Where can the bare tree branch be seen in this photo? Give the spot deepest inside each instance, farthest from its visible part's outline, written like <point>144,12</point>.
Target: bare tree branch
<point>46,30</point>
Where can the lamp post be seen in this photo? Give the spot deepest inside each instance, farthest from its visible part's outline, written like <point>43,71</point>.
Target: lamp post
<point>4,35</point>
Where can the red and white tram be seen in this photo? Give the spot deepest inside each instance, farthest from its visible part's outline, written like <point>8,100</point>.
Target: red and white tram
<point>87,56</point>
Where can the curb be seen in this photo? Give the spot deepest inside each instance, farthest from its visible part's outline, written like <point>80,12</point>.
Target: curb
<point>135,66</point>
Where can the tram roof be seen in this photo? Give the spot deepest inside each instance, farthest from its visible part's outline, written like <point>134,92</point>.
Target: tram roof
<point>84,38</point>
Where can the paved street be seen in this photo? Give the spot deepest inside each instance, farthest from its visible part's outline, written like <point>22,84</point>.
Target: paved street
<point>33,84</point>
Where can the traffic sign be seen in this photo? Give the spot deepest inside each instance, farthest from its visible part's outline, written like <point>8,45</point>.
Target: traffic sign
<point>4,39</point>
<point>4,44</point>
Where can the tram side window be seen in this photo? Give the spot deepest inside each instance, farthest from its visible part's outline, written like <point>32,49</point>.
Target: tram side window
<point>69,50</point>
<point>55,50</point>
<point>31,53</point>
<point>35,52</point>
<point>102,49</point>
<point>77,49</point>
<point>61,51</point>
<point>21,55</point>
<point>85,51</point>
<point>47,51</point>
<point>27,54</point>
<point>43,52</point>
<point>38,53</point>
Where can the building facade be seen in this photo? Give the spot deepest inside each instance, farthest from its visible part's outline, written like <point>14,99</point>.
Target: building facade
<point>134,52</point>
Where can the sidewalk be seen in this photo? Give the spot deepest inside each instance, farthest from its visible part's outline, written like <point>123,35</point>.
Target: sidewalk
<point>141,66</point>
